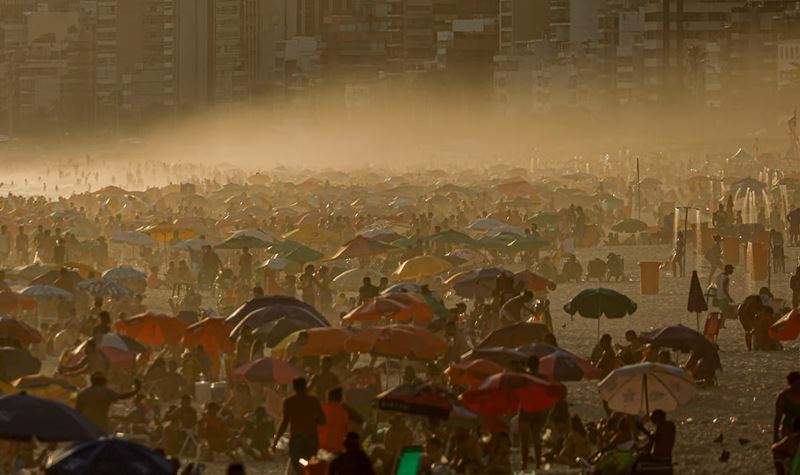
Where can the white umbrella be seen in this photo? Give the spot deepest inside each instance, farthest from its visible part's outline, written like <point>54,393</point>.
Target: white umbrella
<point>134,238</point>
<point>644,387</point>
<point>46,292</point>
<point>123,273</point>
<point>353,279</point>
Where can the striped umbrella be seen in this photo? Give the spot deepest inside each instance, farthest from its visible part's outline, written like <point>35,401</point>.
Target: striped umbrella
<point>105,288</point>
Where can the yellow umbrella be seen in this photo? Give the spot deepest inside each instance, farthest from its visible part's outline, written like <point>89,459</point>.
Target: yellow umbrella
<point>45,387</point>
<point>422,266</point>
<point>164,232</point>
<point>311,235</point>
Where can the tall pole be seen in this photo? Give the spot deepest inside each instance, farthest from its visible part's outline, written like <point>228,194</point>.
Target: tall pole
<point>638,190</point>
<point>696,234</point>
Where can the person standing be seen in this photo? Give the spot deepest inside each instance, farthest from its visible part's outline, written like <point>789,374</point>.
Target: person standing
<point>246,265</point>
<point>353,461</point>
<point>714,257</point>
<point>302,415</point>
<point>22,246</point>
<point>723,298</point>
<point>531,424</point>
<point>95,401</point>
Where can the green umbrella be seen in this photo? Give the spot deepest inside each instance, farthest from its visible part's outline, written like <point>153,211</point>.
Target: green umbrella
<point>241,242</point>
<point>285,247</point>
<point>404,242</point>
<point>594,303</point>
<point>492,244</point>
<point>527,243</point>
<point>451,237</point>
<point>543,218</point>
<point>303,254</point>
<point>630,226</point>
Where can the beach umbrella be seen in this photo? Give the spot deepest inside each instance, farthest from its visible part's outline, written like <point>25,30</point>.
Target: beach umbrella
<point>451,237</point>
<point>46,292</point>
<point>117,456</point>
<point>508,358</point>
<point>27,417</point>
<point>105,288</point>
<point>644,387</point>
<point>261,317</point>
<point>398,341</point>
<point>195,244</point>
<point>134,238</point>
<point>697,303</point>
<point>166,232</point>
<point>285,247</point>
<point>787,328</point>
<point>45,387</point>
<point>13,302</point>
<point>535,282</point>
<point>211,333</point>
<point>361,246</point>
<point>277,305</point>
<point>303,255</point>
<point>508,392</point>
<point>119,351</point>
<point>50,277</point>
<point>472,373</point>
<point>121,343</point>
<point>476,283</point>
<point>544,219</point>
<point>527,244</point>
<point>594,303</point>
<point>466,255</point>
<point>280,263</point>
<point>277,330</point>
<point>241,242</point>
<point>31,271</point>
<point>351,280</point>
<point>422,266</point>
<point>84,270</point>
<point>559,364</point>
<point>629,225</point>
<point>17,362</point>
<point>152,329</point>
<point>681,338</point>
<point>13,329</point>
<point>266,370</point>
<point>311,235</point>
<point>124,273</point>
<point>515,335</point>
<point>399,307</point>
<point>319,341</point>
<point>417,399</point>
<point>493,243</point>
<point>487,224</point>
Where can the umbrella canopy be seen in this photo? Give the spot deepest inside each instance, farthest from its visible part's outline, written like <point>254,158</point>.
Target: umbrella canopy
<point>417,399</point>
<point>515,335</point>
<point>105,288</point>
<point>27,417</point>
<point>134,238</point>
<point>193,244</point>
<point>351,280</point>
<point>13,302</point>
<point>508,392</point>
<point>31,271</point>
<point>123,273</point>
<point>697,299</point>
<point>277,305</point>
<point>681,338</point>
<point>629,225</point>
<point>398,341</point>
<point>527,244</point>
<point>243,241</point>
<point>311,235</point>
<point>120,342</point>
<point>644,387</point>
<point>361,246</point>
<point>422,266</point>
<point>12,329</point>
<point>543,219</point>
<point>116,456</point>
<point>594,303</point>
<point>399,307</point>
<point>46,387</point>
<point>281,263</point>
<point>50,277</point>
<point>472,373</point>
<point>505,357</point>
<point>303,254</point>
<point>211,333</point>
<point>153,329</point>
<point>559,364</point>
<point>535,282</point>
<point>165,232</point>
<point>266,370</point>
<point>476,283</point>
<point>319,341</point>
<point>46,292</point>
<point>487,224</point>
<point>16,362</point>
<point>261,317</point>
<point>277,330</point>
<point>787,328</point>
<point>84,270</point>
<point>451,237</point>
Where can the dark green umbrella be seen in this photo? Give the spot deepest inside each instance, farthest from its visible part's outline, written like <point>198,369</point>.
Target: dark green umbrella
<point>697,299</point>
<point>492,244</point>
<point>302,255</point>
<point>284,247</point>
<point>594,303</point>
<point>241,242</point>
<point>629,226</point>
<point>451,237</point>
<point>527,243</point>
<point>543,218</point>
<point>404,242</point>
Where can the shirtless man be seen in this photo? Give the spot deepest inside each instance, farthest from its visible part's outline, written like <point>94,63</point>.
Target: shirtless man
<point>662,440</point>
<point>302,414</point>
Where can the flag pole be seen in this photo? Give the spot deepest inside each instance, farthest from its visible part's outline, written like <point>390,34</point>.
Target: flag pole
<point>638,190</point>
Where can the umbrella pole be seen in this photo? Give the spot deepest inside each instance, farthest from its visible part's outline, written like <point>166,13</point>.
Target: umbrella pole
<point>598,326</point>
<point>646,397</point>
<point>698,321</point>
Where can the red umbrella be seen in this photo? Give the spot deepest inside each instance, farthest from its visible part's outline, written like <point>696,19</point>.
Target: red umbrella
<point>535,282</point>
<point>13,329</point>
<point>152,329</point>
<point>362,247</point>
<point>423,400</point>
<point>506,393</point>
<point>211,333</point>
<point>265,370</point>
<point>472,373</point>
<point>396,306</point>
<point>559,364</point>
<point>398,341</point>
<point>787,328</point>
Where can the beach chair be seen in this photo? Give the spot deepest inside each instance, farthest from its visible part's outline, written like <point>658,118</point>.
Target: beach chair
<point>712,326</point>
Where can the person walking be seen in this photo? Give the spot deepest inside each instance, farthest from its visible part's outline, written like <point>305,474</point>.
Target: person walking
<point>302,415</point>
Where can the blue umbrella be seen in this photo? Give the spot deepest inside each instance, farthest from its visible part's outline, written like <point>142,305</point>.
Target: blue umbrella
<point>105,288</point>
<point>16,363</point>
<point>24,417</point>
<point>116,456</point>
